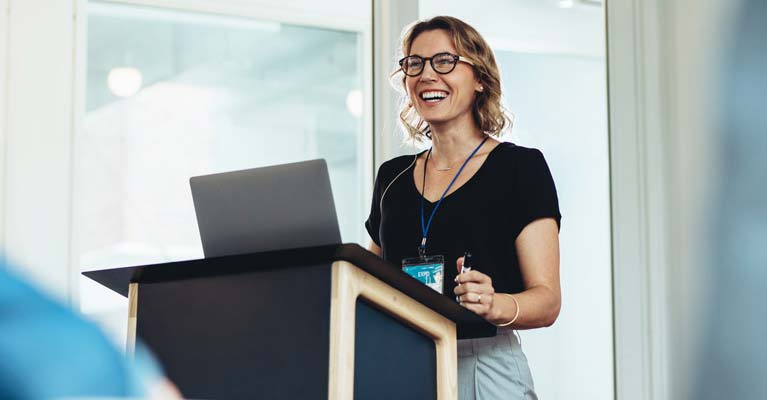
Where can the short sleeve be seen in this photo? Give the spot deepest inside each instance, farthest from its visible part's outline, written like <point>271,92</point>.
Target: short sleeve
<point>534,192</point>
<point>373,222</point>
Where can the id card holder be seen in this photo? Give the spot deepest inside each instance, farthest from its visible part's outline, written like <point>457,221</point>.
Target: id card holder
<point>430,270</point>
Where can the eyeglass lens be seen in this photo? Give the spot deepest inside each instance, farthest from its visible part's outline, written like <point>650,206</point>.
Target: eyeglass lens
<point>442,63</point>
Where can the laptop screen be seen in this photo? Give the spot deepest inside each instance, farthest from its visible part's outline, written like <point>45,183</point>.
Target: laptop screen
<point>263,209</point>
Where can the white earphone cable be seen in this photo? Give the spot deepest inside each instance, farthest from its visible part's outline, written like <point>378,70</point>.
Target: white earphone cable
<point>380,204</point>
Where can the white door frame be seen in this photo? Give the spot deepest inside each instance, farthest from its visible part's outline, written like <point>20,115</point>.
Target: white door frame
<point>637,187</point>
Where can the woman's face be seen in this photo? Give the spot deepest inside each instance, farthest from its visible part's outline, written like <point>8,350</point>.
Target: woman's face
<point>460,85</point>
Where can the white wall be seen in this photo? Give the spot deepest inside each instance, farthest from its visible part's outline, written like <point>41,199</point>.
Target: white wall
<point>3,104</point>
<point>38,97</point>
<point>391,17</point>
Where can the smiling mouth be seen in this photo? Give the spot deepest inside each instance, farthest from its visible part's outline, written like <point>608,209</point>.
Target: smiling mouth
<point>433,96</point>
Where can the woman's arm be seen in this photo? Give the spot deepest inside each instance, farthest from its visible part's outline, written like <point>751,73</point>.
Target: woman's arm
<point>538,251</point>
<point>374,248</point>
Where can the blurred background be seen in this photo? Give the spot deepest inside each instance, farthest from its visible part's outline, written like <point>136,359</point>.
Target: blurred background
<point>108,107</point>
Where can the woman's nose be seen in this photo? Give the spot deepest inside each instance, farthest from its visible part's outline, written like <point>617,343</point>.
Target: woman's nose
<point>428,73</point>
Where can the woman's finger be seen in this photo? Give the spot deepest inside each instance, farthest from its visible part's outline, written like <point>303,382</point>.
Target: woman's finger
<point>472,297</point>
<point>472,287</point>
<point>472,276</point>
<point>459,264</point>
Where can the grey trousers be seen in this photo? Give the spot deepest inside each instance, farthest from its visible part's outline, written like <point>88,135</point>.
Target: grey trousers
<point>494,368</point>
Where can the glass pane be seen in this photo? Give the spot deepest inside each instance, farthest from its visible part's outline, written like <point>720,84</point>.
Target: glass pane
<point>561,106</point>
<point>175,94</point>
<point>551,56</point>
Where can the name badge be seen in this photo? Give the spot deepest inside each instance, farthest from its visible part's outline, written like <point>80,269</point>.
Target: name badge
<point>428,270</point>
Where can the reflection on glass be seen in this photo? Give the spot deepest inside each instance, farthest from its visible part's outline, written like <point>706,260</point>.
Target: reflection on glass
<point>202,94</point>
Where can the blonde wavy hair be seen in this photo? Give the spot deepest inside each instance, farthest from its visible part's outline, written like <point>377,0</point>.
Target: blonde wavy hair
<point>488,111</point>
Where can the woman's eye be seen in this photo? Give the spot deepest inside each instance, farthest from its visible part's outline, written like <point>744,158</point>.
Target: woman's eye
<point>414,65</point>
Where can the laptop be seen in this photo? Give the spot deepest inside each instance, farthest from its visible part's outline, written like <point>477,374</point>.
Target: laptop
<point>262,209</point>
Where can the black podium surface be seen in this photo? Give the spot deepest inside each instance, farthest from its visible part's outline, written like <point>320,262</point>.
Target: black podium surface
<point>258,325</point>
<point>469,325</point>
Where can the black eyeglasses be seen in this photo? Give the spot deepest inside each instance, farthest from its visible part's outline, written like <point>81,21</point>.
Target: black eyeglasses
<point>442,63</point>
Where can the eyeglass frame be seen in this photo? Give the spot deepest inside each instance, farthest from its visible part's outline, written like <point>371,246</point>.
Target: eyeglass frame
<point>456,58</point>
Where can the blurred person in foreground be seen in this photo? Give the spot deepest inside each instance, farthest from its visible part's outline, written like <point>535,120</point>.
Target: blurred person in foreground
<point>48,351</point>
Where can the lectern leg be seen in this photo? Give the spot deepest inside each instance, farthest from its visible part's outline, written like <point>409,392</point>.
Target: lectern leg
<point>130,343</point>
<point>350,283</point>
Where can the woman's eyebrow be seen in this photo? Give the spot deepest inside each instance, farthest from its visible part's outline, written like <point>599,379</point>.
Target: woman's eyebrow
<point>435,53</point>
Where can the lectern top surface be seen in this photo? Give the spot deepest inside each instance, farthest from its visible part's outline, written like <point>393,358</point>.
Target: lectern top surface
<point>469,324</point>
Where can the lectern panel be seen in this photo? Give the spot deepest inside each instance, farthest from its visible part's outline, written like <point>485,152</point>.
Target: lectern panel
<point>391,359</point>
<point>262,334</point>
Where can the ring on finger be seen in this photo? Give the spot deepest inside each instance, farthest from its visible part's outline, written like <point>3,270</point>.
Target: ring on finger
<point>479,298</point>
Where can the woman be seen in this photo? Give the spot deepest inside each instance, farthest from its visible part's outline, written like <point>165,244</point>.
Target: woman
<point>470,192</point>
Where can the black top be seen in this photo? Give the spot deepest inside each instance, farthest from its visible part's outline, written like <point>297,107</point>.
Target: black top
<point>511,189</point>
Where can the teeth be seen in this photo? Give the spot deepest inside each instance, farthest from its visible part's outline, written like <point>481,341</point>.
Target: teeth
<point>433,95</point>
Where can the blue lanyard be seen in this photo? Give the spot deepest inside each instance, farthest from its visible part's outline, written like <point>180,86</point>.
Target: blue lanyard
<point>426,225</point>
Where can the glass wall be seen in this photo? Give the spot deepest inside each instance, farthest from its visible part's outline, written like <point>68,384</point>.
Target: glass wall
<point>173,94</point>
<point>552,61</point>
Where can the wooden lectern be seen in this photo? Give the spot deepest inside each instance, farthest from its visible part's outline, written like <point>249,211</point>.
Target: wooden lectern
<point>331,322</point>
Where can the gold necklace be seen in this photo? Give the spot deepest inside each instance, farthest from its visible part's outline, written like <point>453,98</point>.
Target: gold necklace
<point>449,167</point>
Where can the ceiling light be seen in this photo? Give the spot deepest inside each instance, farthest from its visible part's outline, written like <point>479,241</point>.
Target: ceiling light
<point>124,81</point>
<point>566,3</point>
<point>354,102</point>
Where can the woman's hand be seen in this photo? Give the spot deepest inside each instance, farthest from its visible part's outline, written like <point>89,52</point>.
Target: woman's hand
<point>539,303</point>
<point>475,292</point>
